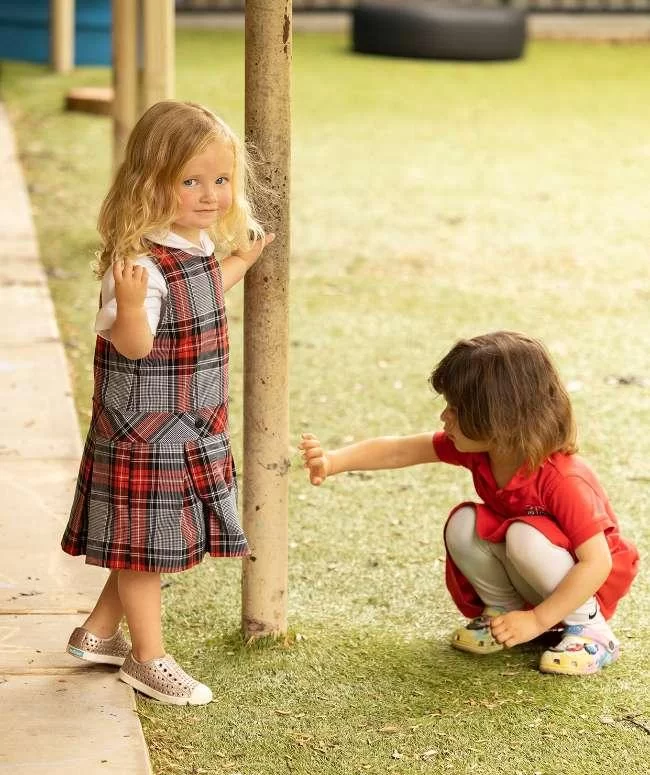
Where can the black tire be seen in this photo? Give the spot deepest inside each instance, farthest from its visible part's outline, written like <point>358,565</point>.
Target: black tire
<point>423,30</point>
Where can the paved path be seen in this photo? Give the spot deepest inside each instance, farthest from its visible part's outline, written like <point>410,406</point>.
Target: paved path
<point>546,26</point>
<point>58,716</point>
<point>595,27</point>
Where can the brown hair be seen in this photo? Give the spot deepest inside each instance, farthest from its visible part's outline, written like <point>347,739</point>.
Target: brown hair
<point>143,198</point>
<point>506,391</point>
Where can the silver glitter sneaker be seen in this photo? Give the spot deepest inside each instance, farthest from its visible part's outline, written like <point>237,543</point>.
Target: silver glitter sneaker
<point>164,680</point>
<point>105,651</point>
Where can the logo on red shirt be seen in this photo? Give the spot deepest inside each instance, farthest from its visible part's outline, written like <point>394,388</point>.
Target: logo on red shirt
<point>536,511</point>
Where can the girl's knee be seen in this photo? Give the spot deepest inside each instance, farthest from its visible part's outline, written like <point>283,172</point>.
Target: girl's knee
<point>527,547</point>
<point>520,539</point>
<point>461,528</point>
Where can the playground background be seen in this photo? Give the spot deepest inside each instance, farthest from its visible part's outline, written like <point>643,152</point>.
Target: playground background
<point>431,201</point>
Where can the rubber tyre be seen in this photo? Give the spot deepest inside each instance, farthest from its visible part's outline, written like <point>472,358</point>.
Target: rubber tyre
<point>422,30</point>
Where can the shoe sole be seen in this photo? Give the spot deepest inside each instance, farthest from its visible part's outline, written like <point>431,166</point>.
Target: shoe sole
<point>149,692</point>
<point>574,673</point>
<point>475,649</point>
<point>98,659</point>
<point>554,669</point>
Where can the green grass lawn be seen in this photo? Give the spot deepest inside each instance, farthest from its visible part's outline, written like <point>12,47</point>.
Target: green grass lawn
<point>431,201</point>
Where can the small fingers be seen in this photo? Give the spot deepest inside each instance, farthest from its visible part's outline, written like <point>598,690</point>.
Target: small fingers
<point>314,458</point>
<point>125,270</point>
<point>316,475</point>
<point>118,269</point>
<point>504,635</point>
<point>315,463</point>
<point>309,442</point>
<point>499,632</point>
<point>140,274</point>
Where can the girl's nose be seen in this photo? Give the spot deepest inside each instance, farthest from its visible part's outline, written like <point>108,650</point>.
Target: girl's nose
<point>210,193</point>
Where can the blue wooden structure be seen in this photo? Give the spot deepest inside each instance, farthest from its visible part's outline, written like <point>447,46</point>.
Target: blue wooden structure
<point>25,31</point>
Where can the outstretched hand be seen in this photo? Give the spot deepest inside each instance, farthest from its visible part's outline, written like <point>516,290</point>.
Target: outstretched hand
<point>316,461</point>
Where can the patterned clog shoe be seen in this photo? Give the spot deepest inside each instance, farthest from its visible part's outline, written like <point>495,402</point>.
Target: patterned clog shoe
<point>582,651</point>
<point>476,636</point>
<point>104,651</point>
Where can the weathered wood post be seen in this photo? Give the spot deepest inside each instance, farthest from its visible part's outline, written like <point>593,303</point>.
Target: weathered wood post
<point>62,26</point>
<point>125,74</point>
<point>158,56</point>
<point>266,328</point>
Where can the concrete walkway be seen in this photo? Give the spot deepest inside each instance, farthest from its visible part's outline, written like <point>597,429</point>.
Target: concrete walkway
<point>58,716</point>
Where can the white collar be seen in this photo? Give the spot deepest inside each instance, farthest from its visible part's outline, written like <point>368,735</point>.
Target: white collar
<point>172,240</point>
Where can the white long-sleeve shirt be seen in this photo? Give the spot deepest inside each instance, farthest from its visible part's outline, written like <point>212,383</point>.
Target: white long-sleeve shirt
<point>156,286</point>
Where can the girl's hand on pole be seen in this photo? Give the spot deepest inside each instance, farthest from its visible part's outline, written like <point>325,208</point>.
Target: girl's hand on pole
<point>235,266</point>
<point>250,256</point>
<point>130,284</point>
<point>515,627</point>
<point>316,461</point>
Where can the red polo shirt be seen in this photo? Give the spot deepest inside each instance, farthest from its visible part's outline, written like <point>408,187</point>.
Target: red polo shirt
<point>563,499</point>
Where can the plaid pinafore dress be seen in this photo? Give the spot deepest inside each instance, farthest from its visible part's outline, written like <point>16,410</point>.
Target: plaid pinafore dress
<point>157,489</point>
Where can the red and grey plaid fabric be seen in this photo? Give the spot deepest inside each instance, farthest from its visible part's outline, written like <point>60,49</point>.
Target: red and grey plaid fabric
<point>157,485</point>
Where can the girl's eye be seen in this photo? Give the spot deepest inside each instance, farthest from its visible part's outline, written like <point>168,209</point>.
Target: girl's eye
<point>190,182</point>
<point>221,181</point>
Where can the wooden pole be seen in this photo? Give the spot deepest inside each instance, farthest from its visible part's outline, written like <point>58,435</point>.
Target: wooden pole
<point>158,56</point>
<point>125,74</point>
<point>62,26</point>
<point>266,327</point>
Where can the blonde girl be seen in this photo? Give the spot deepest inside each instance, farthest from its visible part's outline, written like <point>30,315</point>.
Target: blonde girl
<point>157,486</point>
<point>542,547</point>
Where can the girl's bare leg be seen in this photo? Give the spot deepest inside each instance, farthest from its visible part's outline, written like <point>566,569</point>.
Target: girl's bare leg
<point>139,594</point>
<point>108,610</point>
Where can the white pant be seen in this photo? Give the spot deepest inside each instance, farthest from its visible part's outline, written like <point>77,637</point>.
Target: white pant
<point>527,567</point>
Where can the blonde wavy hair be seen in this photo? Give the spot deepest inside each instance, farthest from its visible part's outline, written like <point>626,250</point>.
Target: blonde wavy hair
<point>143,198</point>
<point>506,391</point>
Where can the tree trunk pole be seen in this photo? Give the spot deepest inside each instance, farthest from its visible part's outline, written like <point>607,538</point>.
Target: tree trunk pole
<point>125,74</point>
<point>266,327</point>
<point>62,27</point>
<point>159,61</point>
